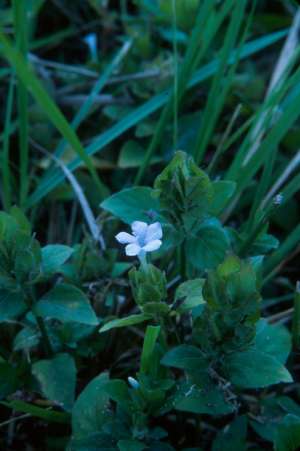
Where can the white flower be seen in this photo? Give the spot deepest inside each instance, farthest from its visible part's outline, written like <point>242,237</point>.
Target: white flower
<point>133,382</point>
<point>144,238</point>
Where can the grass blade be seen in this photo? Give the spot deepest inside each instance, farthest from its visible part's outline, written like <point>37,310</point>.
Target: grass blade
<point>21,37</point>
<point>6,174</point>
<point>219,86</point>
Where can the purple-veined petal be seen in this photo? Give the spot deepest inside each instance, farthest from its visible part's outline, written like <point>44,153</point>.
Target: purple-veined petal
<point>154,232</point>
<point>152,246</point>
<point>132,249</point>
<point>125,238</point>
<point>139,228</point>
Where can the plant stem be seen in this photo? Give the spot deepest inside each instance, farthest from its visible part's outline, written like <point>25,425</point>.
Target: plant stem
<point>30,300</point>
<point>45,338</point>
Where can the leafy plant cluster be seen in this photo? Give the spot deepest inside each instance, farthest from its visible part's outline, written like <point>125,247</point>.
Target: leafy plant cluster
<point>203,342</point>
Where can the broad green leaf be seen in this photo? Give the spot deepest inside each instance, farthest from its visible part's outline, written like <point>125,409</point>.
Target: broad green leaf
<point>202,396</point>
<point>190,293</point>
<point>26,338</point>
<point>223,192</point>
<point>118,391</point>
<point>67,303</point>
<point>125,322</point>
<point>287,436</point>
<point>209,248</point>
<point>54,256</point>
<point>90,409</point>
<point>186,357</point>
<point>57,379</point>
<point>273,339</point>
<point>233,437</point>
<point>133,204</point>
<point>255,369</point>
<point>11,305</point>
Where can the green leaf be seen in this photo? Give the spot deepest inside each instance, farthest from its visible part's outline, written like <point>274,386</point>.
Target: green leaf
<point>223,192</point>
<point>151,336</point>
<point>67,303</point>
<point>255,369</point>
<point>233,437</point>
<point>123,322</point>
<point>8,379</point>
<point>191,294</point>
<point>39,412</point>
<point>90,409</point>
<point>118,391</point>
<point>208,249</point>
<point>132,155</point>
<point>130,445</point>
<point>54,256</point>
<point>57,378</point>
<point>273,339</point>
<point>11,305</point>
<point>287,436</point>
<point>133,204</point>
<point>186,357</point>
<point>201,396</point>
<point>26,338</point>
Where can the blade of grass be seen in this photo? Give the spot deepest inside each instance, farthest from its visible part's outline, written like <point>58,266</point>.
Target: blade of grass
<point>78,191</point>
<point>220,86</point>
<point>21,38</point>
<point>175,89</point>
<point>277,258</point>
<point>281,71</point>
<point>222,144</point>
<point>285,63</point>
<point>264,117</point>
<point>44,100</point>
<point>207,24</point>
<point>7,184</point>
<point>145,110</point>
<point>291,166</point>
<point>85,109</point>
<point>243,174</point>
<point>291,188</point>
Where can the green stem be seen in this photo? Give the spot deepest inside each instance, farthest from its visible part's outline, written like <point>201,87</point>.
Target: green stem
<point>45,338</point>
<point>31,303</point>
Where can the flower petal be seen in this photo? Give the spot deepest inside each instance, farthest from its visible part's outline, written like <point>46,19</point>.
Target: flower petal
<point>132,249</point>
<point>124,238</point>
<point>139,228</point>
<point>152,246</point>
<point>154,232</point>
